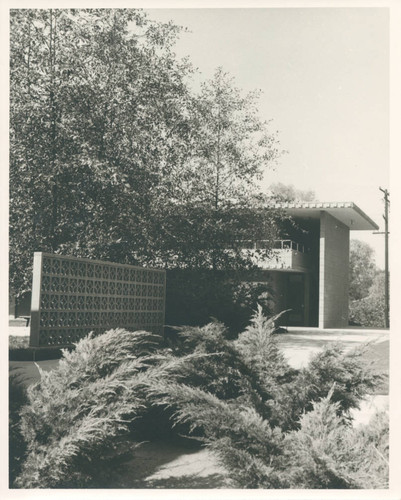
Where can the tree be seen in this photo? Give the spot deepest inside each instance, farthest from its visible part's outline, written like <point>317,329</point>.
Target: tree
<point>366,290</point>
<point>220,206</point>
<point>98,123</point>
<point>362,269</point>
<point>113,157</point>
<point>233,147</point>
<point>369,310</point>
<point>287,192</point>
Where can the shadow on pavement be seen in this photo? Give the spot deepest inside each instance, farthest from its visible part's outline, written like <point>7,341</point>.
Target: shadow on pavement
<point>179,463</point>
<point>190,481</point>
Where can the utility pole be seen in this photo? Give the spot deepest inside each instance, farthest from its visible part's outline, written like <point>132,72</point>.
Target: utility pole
<point>386,270</point>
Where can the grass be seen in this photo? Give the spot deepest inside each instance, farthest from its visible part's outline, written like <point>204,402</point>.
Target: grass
<point>379,355</point>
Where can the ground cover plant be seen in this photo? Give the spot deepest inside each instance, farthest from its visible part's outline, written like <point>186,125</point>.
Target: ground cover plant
<point>270,425</point>
<point>273,426</point>
<point>17,449</point>
<point>77,412</point>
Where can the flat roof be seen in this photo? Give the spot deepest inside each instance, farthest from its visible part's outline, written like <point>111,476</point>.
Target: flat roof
<point>345,211</point>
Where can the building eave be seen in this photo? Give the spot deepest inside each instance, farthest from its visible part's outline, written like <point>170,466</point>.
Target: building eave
<point>346,212</point>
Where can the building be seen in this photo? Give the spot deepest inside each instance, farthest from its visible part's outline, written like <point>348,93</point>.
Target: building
<point>309,268</point>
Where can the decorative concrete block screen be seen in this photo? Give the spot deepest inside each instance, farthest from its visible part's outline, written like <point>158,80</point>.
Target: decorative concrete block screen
<point>72,297</point>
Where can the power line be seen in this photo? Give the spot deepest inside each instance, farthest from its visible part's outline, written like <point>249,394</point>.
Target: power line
<point>386,270</point>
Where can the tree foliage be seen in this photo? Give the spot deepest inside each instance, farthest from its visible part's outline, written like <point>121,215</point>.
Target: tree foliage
<point>90,102</point>
<point>366,287</point>
<point>234,145</point>
<point>288,192</point>
<point>362,269</point>
<point>112,155</point>
<point>369,311</point>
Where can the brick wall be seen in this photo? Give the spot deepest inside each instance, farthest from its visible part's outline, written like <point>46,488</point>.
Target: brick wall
<point>334,273</point>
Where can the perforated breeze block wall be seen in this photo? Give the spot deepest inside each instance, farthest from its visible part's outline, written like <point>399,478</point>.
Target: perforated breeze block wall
<point>72,297</point>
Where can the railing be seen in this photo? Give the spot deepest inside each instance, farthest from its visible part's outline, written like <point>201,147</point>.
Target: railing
<point>277,245</point>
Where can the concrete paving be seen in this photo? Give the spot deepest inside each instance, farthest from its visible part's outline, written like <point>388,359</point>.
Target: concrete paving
<point>18,331</point>
<point>299,344</point>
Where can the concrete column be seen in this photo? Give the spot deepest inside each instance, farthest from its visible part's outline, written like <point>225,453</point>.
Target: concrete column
<point>35,304</point>
<point>333,272</point>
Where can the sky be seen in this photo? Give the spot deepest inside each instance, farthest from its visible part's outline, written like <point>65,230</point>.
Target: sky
<point>324,77</point>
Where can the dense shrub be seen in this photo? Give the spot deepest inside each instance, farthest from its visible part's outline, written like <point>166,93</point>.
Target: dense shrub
<point>17,445</point>
<point>272,426</point>
<point>253,370</point>
<point>327,453</point>
<point>369,311</point>
<point>18,342</point>
<point>216,366</point>
<point>193,297</point>
<point>77,412</point>
<point>353,377</point>
<point>277,412</point>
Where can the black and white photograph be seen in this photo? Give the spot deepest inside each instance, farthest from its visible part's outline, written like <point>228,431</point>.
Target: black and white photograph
<point>197,214</point>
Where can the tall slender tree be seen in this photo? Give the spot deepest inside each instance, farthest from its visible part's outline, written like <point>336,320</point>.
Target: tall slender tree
<point>233,148</point>
<point>98,123</point>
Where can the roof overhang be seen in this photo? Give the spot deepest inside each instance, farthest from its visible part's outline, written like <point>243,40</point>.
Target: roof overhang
<point>346,212</point>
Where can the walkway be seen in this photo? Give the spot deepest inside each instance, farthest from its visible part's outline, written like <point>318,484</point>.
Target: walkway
<point>300,343</point>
